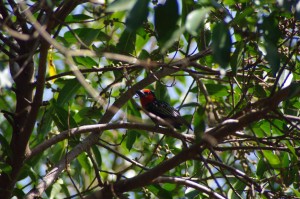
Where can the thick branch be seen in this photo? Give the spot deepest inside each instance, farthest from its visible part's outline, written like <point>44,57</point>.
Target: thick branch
<point>24,123</point>
<point>38,98</point>
<point>147,177</point>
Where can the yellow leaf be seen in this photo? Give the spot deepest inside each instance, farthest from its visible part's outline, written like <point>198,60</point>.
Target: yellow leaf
<point>51,65</point>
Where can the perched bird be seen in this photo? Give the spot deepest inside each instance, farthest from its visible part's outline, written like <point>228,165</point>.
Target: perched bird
<point>161,109</point>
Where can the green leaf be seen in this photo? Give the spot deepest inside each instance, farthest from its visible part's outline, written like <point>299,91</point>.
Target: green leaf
<point>239,187</point>
<point>144,55</point>
<point>290,147</point>
<point>65,190</point>
<point>221,44</point>
<point>85,163</point>
<point>259,91</point>
<point>137,15</point>
<point>165,20</point>
<point>279,127</point>
<point>192,194</point>
<point>126,44</point>
<point>270,28</point>
<point>261,168</point>
<point>28,171</point>
<point>169,186</point>
<point>132,134</point>
<point>120,5</point>
<point>272,57</point>
<point>62,119</point>
<point>161,92</point>
<point>68,91</point>
<point>230,2</point>
<point>296,192</point>
<point>77,18</point>
<point>163,193</point>
<point>290,172</point>
<point>187,7</point>
<point>237,58</point>
<point>271,35</point>
<point>158,191</point>
<point>241,16</point>
<point>265,126</point>
<point>173,37</point>
<point>132,110</point>
<point>55,190</point>
<point>285,160</point>
<point>217,90</point>
<point>88,115</point>
<point>5,168</point>
<point>5,147</point>
<point>294,90</point>
<point>102,36</point>
<point>18,193</point>
<point>195,20</point>
<point>258,131</point>
<point>273,159</point>
<point>88,62</point>
<point>131,138</point>
<point>57,152</point>
<point>86,35</point>
<point>142,39</point>
<point>199,122</point>
<point>97,155</point>
<point>44,126</point>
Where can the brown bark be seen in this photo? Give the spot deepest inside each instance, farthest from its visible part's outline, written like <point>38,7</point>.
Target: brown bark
<point>28,100</point>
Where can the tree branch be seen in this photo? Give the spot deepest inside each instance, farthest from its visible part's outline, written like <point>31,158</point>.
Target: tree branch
<point>189,183</point>
<point>149,176</point>
<point>102,127</point>
<point>20,19</point>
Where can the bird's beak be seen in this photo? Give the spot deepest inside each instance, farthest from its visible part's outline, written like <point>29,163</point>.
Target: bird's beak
<point>140,93</point>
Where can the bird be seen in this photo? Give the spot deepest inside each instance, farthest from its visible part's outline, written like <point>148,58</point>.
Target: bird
<point>161,109</point>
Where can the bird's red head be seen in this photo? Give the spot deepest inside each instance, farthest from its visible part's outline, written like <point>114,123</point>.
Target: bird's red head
<point>146,96</point>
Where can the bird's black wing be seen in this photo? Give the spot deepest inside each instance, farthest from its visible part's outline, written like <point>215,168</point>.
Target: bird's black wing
<point>162,109</point>
<point>167,112</point>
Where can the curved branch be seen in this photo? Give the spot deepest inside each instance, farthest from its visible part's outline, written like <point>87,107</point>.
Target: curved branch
<point>102,127</point>
<point>189,183</point>
<point>90,70</point>
<point>149,176</point>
